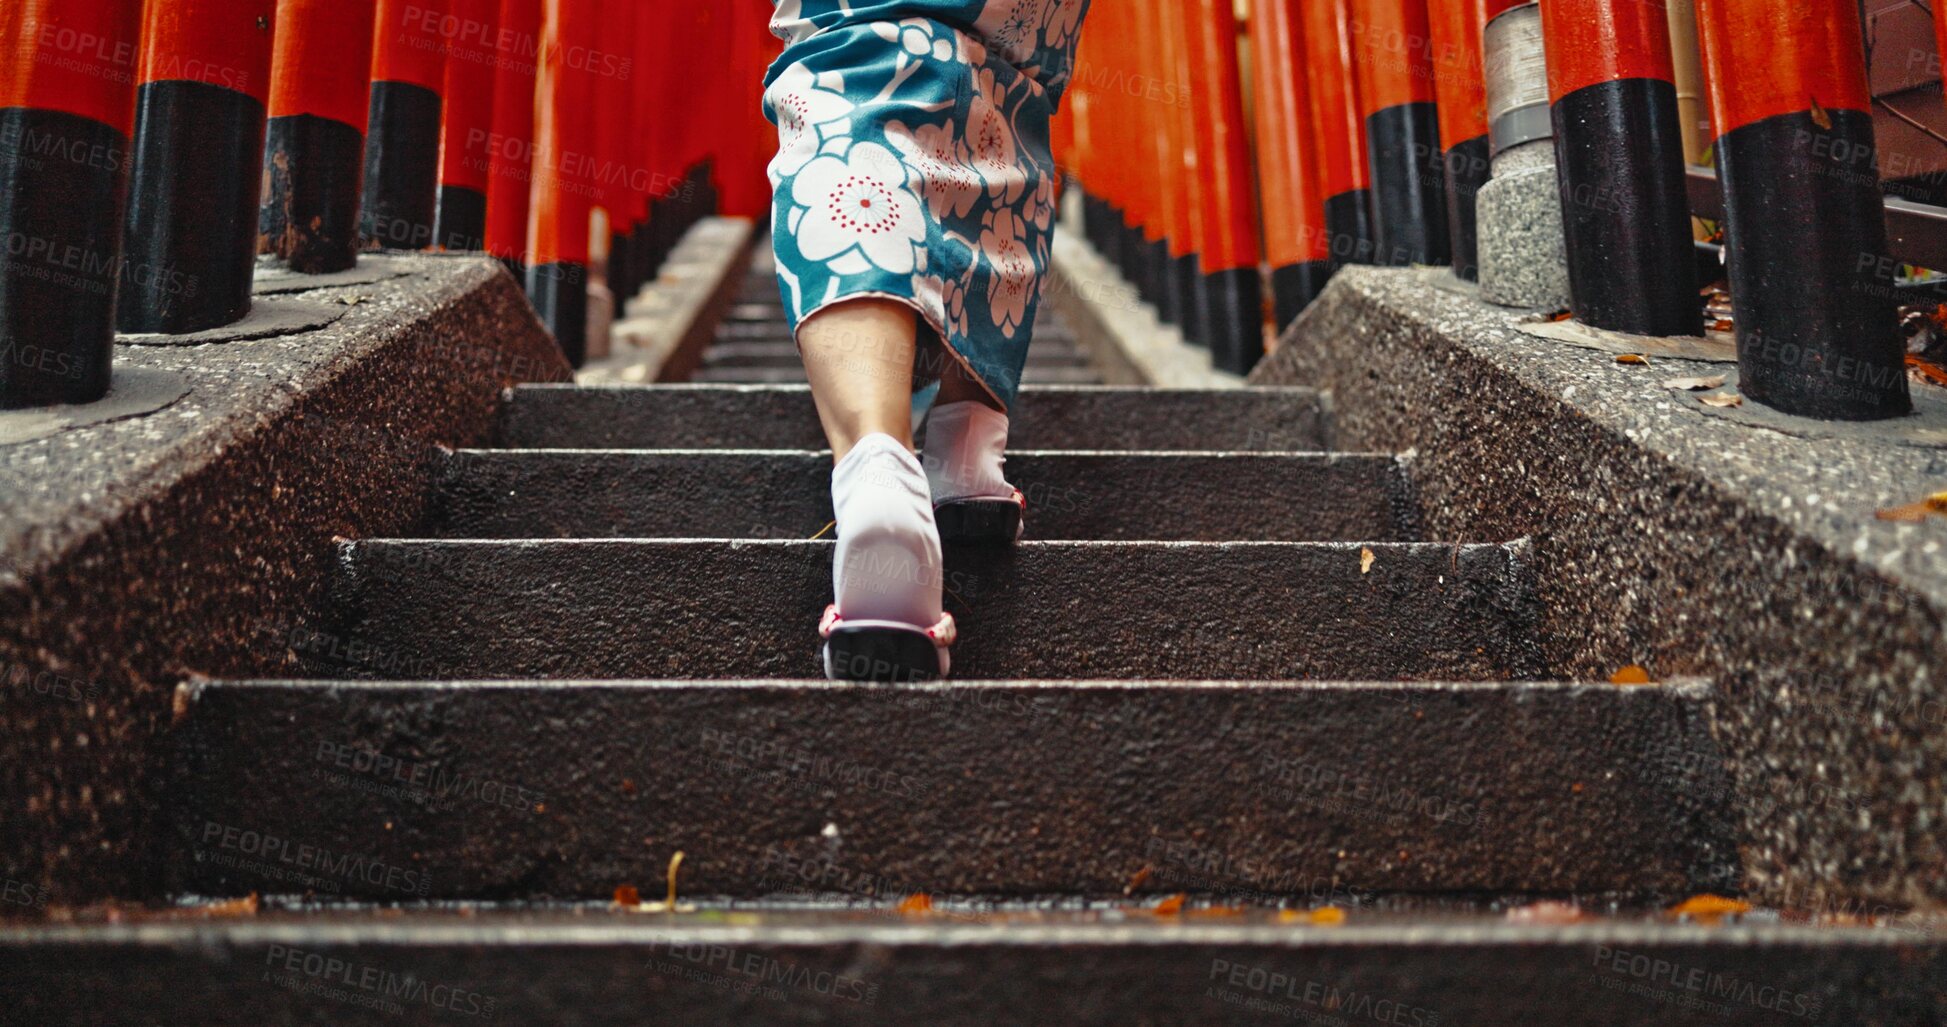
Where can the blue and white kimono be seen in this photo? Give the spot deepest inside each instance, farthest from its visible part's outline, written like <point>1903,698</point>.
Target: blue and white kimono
<point>914,165</point>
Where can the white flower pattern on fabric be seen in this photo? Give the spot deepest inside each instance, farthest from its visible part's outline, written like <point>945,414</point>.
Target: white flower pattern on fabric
<point>859,213</point>
<point>938,159</point>
<point>801,104</point>
<point>1016,277</point>
<point>914,162</point>
<point>991,139</point>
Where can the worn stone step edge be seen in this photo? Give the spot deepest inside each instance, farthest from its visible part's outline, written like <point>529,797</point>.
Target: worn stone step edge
<point>1047,417</point>
<point>1322,790</point>
<point>718,493</point>
<point>1147,610</point>
<point>620,969</point>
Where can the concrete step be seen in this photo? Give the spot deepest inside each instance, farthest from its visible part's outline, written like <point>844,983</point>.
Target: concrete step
<point>600,968</point>
<point>761,322</point>
<point>782,352</point>
<point>1072,610</point>
<point>1248,790</point>
<point>787,494</point>
<point>1035,374</point>
<point>782,417</point>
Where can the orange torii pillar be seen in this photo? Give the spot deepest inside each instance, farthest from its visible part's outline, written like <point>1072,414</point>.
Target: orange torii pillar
<point>627,268</point>
<point>1409,192</point>
<point>614,109</point>
<point>402,139</point>
<point>67,112</point>
<point>1173,137</point>
<point>465,162</point>
<point>1811,282</point>
<point>1460,87</point>
<point>746,188</point>
<point>1619,156</point>
<point>1344,164</point>
<point>314,149</point>
<point>510,142</point>
<point>194,192</point>
<point>1231,293</point>
<point>1295,244</point>
<point>558,218</point>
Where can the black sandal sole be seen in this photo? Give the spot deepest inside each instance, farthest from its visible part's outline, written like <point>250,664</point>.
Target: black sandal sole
<point>986,522</point>
<point>881,654</point>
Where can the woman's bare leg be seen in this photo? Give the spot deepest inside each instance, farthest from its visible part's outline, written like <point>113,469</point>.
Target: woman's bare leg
<point>958,385</point>
<point>859,357</point>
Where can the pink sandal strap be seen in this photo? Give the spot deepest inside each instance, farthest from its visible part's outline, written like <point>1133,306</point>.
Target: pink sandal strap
<point>943,634</point>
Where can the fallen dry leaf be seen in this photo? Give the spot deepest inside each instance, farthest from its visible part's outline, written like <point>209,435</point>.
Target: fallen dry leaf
<point>1324,916</point>
<point>1631,358</point>
<point>1547,913</point>
<point>1820,117</point>
<point>1932,506</point>
<point>1630,675</point>
<point>916,904</point>
<point>1709,907</point>
<point>1170,906</point>
<point>1722,399</point>
<point>1715,381</point>
<point>1365,560</point>
<point>1141,877</point>
<point>626,895</point>
<point>669,905</point>
<point>1723,324</point>
<point>246,906</point>
<point>1926,369</point>
<point>1214,912</point>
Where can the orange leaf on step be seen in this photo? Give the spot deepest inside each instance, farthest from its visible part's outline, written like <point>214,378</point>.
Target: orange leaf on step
<point>626,895</point>
<point>1710,907</point>
<point>1630,675</point>
<point>1932,506</point>
<point>1170,906</point>
<point>1140,878</point>
<point>1631,358</point>
<point>918,903</point>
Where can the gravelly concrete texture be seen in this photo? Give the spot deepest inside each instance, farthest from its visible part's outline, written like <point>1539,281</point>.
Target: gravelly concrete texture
<point>1688,543</point>
<point>1251,791</point>
<point>604,968</point>
<point>621,608</point>
<point>140,550</point>
<point>1194,497</point>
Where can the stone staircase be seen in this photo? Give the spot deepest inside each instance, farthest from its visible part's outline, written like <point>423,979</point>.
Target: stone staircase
<point>1226,665</point>
<point>753,344</point>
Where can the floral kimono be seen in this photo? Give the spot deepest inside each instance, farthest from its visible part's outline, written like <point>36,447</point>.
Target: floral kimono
<point>914,166</point>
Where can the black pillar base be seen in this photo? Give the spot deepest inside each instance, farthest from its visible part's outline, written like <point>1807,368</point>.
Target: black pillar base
<point>1409,185</point>
<point>1624,208</point>
<point>1348,224</point>
<point>1294,287</point>
<point>462,219</point>
<point>1468,165</point>
<point>559,293</point>
<point>1169,300</point>
<point>1186,278</point>
<point>1817,321</point>
<point>314,171</point>
<point>193,209</point>
<point>1233,304</point>
<point>401,167</point>
<point>63,194</point>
